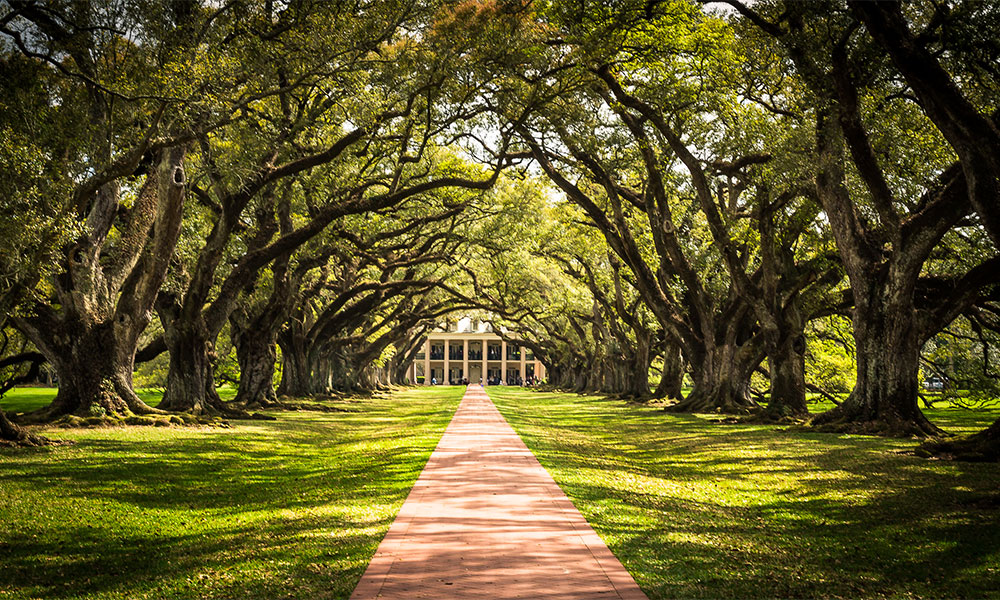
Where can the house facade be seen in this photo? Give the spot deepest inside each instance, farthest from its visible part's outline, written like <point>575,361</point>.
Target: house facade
<point>448,357</point>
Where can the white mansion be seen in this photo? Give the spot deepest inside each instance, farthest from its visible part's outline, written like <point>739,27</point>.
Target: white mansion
<point>470,350</point>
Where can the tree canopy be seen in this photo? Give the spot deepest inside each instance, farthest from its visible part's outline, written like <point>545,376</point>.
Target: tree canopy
<point>730,205</point>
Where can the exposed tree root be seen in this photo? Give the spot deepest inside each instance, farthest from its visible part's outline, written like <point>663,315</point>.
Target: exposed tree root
<point>166,420</point>
<point>848,419</point>
<point>707,407</point>
<point>15,436</point>
<point>980,447</point>
<point>762,417</point>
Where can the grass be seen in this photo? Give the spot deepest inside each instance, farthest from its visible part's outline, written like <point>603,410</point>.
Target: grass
<point>25,399</point>
<point>292,508</point>
<point>695,509</point>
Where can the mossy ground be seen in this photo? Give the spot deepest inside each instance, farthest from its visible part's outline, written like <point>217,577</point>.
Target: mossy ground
<point>696,509</point>
<point>292,508</point>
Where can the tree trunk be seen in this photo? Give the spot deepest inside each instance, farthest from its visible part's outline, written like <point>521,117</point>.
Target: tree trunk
<point>191,378</point>
<point>320,374</point>
<point>721,382</point>
<point>672,376</point>
<point>255,353</point>
<point>94,366</point>
<point>555,374</point>
<point>295,372</point>
<point>579,375</point>
<point>884,399</point>
<point>401,373</point>
<point>342,375</point>
<point>786,359</point>
<point>105,300</point>
<point>636,384</point>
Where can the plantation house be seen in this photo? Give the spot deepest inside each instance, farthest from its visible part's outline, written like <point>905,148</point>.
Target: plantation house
<point>470,349</point>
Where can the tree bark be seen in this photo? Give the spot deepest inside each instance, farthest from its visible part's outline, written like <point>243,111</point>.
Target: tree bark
<point>191,378</point>
<point>295,371</point>
<point>888,338</point>
<point>636,376</point>
<point>672,376</point>
<point>403,360</point>
<point>95,375</point>
<point>786,360</point>
<point>721,381</point>
<point>321,371</point>
<point>342,374</point>
<point>256,355</point>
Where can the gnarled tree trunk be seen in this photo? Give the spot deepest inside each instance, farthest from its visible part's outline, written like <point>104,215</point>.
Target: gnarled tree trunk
<point>787,363</point>
<point>636,384</point>
<point>721,380</point>
<point>106,302</point>
<point>786,358</point>
<point>256,355</point>
<point>95,374</point>
<point>342,374</point>
<point>295,367</point>
<point>884,399</point>
<point>672,376</point>
<point>191,378</point>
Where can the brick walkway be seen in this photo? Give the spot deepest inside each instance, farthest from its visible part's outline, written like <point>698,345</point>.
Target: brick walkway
<point>486,521</point>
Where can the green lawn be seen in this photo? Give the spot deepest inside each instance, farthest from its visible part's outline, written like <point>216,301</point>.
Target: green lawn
<point>696,509</point>
<point>292,508</point>
<point>26,399</point>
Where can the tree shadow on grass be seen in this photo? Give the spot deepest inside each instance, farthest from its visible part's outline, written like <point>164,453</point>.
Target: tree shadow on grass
<point>86,561</point>
<point>821,548</point>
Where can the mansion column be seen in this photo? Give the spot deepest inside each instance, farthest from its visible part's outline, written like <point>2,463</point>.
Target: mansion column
<point>427,361</point>
<point>503,361</point>
<point>465,360</point>
<point>447,365</point>
<point>485,345</point>
<point>523,362</point>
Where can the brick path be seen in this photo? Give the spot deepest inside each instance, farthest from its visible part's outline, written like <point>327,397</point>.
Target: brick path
<point>486,521</point>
